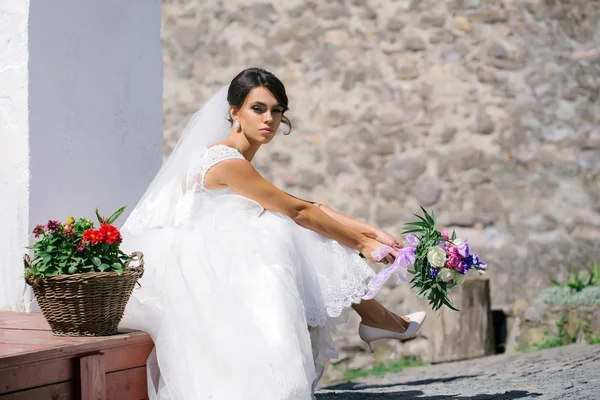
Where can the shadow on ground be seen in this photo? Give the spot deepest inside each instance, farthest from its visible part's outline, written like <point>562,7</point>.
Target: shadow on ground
<point>417,394</point>
<point>423,382</point>
<point>358,391</point>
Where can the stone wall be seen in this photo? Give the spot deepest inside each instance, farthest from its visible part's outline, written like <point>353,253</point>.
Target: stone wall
<point>486,111</point>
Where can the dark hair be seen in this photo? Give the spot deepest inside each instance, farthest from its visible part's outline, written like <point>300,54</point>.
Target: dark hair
<point>250,78</point>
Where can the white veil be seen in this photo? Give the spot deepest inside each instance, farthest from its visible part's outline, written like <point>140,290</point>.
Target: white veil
<point>166,201</point>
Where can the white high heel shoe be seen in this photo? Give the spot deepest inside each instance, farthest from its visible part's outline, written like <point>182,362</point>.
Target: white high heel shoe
<point>370,334</point>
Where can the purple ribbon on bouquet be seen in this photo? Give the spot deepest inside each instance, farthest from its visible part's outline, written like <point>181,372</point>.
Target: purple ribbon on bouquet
<point>406,257</point>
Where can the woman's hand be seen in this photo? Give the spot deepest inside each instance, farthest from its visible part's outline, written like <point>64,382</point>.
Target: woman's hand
<point>385,238</point>
<point>370,245</point>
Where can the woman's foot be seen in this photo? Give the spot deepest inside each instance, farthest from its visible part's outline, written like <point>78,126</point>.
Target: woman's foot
<point>371,333</point>
<point>375,315</point>
<point>380,323</point>
<point>389,321</point>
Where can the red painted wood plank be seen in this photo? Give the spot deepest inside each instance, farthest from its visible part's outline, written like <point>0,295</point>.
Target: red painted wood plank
<point>42,373</point>
<point>23,321</point>
<point>59,391</point>
<point>73,346</point>
<point>92,377</point>
<point>120,358</point>
<point>26,376</point>
<point>128,384</point>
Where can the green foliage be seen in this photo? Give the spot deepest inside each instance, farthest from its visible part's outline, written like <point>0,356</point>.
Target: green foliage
<point>433,290</point>
<point>563,338</point>
<point>565,296</point>
<point>577,283</point>
<point>379,369</point>
<point>63,249</point>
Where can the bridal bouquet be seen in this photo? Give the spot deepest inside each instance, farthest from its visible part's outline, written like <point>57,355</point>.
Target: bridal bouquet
<point>77,247</point>
<point>441,262</point>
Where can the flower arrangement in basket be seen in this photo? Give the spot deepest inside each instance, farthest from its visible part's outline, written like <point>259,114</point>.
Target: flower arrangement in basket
<point>81,278</point>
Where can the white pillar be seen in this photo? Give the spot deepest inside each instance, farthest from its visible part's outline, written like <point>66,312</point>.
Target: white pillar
<point>80,116</point>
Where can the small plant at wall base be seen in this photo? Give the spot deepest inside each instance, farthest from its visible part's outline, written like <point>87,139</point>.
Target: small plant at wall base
<point>76,247</point>
<point>563,338</point>
<point>578,290</point>
<point>577,283</point>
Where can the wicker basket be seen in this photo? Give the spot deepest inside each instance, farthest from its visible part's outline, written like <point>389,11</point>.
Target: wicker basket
<point>89,304</point>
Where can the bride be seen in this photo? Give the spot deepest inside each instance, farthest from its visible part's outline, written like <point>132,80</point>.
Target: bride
<point>244,283</point>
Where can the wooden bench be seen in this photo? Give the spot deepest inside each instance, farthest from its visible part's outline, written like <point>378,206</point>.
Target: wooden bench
<point>35,365</point>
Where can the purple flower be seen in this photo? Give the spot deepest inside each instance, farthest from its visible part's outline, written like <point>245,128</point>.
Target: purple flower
<point>465,266</point>
<point>433,272</point>
<point>38,230</point>
<point>477,263</point>
<point>53,226</point>
<point>463,249</point>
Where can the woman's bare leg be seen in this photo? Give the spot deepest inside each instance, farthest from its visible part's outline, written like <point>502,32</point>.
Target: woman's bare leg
<point>374,314</point>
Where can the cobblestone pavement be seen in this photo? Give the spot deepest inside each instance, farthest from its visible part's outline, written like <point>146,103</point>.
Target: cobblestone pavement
<point>571,372</point>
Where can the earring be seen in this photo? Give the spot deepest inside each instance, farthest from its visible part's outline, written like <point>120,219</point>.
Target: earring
<point>236,125</point>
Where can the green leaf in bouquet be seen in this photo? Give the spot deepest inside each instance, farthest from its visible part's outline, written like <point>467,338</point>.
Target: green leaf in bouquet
<point>100,219</point>
<point>97,262</point>
<point>412,231</point>
<point>103,267</point>
<point>447,302</point>
<point>429,218</point>
<point>423,224</point>
<point>421,218</point>
<point>116,215</point>
<point>72,269</point>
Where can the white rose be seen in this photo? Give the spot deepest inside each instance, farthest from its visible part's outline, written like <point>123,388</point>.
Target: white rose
<point>457,242</point>
<point>436,256</point>
<point>447,274</point>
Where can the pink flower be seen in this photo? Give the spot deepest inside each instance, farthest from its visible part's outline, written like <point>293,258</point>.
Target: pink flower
<point>453,261</point>
<point>445,235</point>
<point>453,251</point>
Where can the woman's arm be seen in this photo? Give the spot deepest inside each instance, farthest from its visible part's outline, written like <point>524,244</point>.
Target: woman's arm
<point>366,229</point>
<point>241,176</point>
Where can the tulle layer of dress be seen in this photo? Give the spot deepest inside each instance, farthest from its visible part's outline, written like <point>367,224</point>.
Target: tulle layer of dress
<point>228,298</point>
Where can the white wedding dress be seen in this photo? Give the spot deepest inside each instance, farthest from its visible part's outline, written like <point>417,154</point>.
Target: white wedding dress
<point>229,293</point>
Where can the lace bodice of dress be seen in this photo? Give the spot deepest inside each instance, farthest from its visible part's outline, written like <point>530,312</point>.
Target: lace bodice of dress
<point>210,158</point>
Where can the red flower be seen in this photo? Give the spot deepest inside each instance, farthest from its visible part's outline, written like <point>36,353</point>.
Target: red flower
<point>110,234</point>
<point>93,236</point>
